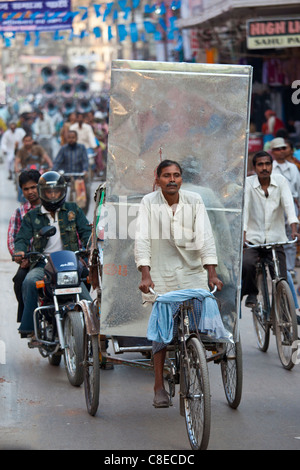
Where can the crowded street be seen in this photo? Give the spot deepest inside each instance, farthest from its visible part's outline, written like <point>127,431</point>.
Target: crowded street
<point>149,227</point>
<point>41,410</point>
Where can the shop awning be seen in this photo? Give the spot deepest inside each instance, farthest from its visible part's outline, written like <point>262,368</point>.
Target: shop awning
<point>216,13</point>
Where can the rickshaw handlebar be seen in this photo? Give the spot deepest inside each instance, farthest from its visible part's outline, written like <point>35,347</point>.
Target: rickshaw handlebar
<point>154,293</point>
<point>269,245</point>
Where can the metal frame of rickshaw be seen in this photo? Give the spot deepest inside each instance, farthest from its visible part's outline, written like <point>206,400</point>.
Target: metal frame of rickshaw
<point>217,352</point>
<point>214,351</point>
<point>215,347</point>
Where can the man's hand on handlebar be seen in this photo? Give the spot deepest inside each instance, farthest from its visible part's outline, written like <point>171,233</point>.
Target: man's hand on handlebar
<point>18,257</point>
<point>146,282</point>
<point>215,281</point>
<point>296,235</point>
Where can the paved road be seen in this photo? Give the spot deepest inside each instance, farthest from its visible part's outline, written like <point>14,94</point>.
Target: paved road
<point>39,409</point>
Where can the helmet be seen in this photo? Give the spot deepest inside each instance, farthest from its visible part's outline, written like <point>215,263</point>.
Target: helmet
<point>52,188</point>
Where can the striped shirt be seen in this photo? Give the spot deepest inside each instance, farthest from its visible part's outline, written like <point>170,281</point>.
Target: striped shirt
<point>15,224</point>
<point>71,159</point>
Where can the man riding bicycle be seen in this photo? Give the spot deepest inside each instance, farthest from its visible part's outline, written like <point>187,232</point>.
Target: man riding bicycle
<point>174,249</point>
<point>268,197</point>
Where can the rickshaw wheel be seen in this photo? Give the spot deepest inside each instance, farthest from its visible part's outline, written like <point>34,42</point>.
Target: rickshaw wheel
<point>195,394</point>
<point>232,373</point>
<point>91,373</point>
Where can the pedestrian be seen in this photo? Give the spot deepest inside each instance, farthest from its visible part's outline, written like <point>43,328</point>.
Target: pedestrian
<point>65,128</point>
<point>289,153</point>
<point>85,132</point>
<point>44,131</point>
<point>290,171</point>
<point>10,143</point>
<point>272,124</point>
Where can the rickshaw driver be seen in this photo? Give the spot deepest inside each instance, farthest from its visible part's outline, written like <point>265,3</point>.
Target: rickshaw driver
<point>170,263</point>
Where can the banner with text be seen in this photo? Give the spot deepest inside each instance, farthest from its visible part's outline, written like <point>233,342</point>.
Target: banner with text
<point>40,15</point>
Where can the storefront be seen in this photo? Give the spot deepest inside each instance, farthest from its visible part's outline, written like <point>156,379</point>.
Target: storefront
<point>266,35</point>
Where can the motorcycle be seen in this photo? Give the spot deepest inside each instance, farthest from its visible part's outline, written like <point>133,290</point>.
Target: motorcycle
<point>58,319</point>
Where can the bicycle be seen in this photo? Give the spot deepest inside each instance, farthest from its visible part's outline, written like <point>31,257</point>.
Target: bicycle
<point>276,310</point>
<point>188,368</point>
<point>186,359</point>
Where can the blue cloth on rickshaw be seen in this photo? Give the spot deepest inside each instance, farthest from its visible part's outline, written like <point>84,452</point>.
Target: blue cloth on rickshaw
<point>161,321</point>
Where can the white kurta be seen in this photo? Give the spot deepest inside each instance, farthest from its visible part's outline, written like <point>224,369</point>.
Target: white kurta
<point>8,144</point>
<point>175,247</point>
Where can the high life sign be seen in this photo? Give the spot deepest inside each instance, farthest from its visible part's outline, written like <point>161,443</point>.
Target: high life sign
<point>273,33</point>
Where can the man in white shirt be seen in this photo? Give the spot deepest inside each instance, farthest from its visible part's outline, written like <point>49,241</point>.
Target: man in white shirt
<point>44,131</point>
<point>268,198</point>
<point>10,142</point>
<point>85,132</point>
<point>174,248</point>
<point>290,171</point>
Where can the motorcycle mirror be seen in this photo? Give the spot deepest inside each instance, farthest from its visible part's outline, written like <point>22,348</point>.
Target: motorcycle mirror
<point>47,231</point>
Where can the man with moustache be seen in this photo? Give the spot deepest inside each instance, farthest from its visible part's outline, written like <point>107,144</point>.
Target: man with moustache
<point>267,198</point>
<point>174,249</point>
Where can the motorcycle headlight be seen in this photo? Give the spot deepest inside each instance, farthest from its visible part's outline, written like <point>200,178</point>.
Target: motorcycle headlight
<point>67,278</point>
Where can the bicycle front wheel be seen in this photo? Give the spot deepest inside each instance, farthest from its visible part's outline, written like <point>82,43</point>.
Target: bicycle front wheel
<point>91,373</point>
<point>285,324</point>
<point>260,314</point>
<point>195,393</point>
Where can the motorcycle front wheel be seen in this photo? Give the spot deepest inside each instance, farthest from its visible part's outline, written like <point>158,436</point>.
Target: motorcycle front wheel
<point>73,353</point>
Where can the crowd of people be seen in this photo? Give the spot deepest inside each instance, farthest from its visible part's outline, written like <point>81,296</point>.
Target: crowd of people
<point>272,202</point>
<point>38,139</point>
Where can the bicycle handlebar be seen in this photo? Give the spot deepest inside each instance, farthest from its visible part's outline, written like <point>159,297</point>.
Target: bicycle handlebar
<point>269,245</point>
<point>73,174</point>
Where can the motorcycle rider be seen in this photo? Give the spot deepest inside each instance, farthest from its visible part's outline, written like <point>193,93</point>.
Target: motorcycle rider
<point>69,221</point>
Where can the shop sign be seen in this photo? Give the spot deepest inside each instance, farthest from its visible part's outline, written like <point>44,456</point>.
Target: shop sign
<point>273,33</point>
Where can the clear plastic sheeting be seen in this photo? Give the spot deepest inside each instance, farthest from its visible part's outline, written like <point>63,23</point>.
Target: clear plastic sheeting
<point>198,115</point>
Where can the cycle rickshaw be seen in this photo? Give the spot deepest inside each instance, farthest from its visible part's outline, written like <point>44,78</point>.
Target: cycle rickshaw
<point>162,110</point>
